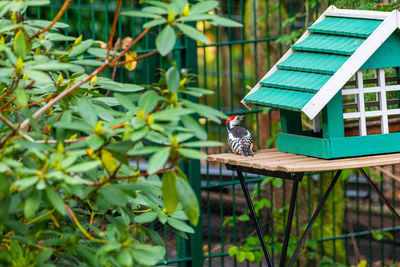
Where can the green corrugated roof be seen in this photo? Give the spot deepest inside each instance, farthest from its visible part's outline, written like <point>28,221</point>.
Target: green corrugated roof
<point>295,80</point>
<point>333,44</point>
<point>313,62</point>
<point>346,26</point>
<point>279,98</point>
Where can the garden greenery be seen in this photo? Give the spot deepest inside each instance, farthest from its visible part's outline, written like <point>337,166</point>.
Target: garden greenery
<point>70,140</point>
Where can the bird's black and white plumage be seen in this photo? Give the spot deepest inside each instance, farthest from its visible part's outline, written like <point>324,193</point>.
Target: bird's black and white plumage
<point>239,138</point>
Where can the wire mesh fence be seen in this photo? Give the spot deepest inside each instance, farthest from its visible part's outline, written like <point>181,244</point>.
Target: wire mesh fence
<point>235,59</point>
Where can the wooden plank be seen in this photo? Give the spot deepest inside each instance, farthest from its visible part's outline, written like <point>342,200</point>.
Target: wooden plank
<point>288,162</point>
<point>348,69</point>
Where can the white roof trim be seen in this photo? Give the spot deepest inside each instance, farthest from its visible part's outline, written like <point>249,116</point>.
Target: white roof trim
<point>359,14</point>
<point>284,57</point>
<point>354,63</point>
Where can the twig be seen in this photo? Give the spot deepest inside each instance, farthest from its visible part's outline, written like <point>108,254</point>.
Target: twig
<point>66,141</point>
<point>57,17</point>
<point>114,25</point>
<point>391,175</point>
<point>134,59</point>
<point>78,224</point>
<point>15,129</point>
<point>131,45</point>
<point>29,105</point>
<point>7,103</point>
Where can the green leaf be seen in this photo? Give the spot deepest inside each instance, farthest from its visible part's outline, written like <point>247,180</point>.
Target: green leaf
<point>170,195</point>
<point>95,142</point>
<point>233,250</point>
<point>171,114</point>
<point>124,101</point>
<point>202,144</point>
<point>81,48</point>
<point>154,237</point>
<point>38,76</point>
<point>203,7</point>
<point>124,258</point>
<point>224,22</point>
<point>144,150</point>
<point>26,182</point>
<point>5,72</point>
<point>197,17</point>
<point>173,79</point>
<point>20,44</point>
<point>188,200</point>
<point>43,256</point>
<point>165,40</point>
<point>192,154</point>
<point>88,62</point>
<point>57,66</point>
<point>158,160</point>
<point>148,101</point>
<point>205,111</point>
<point>193,33</point>
<point>22,97</point>
<point>147,255</point>
<point>87,111</point>
<point>55,200</point>
<point>139,14</point>
<point>109,84</point>
<point>32,203</point>
<point>154,22</point>
<point>139,134</point>
<point>147,217</point>
<point>84,167</point>
<point>155,10</point>
<point>179,225</point>
<point>113,195</point>
<point>194,125</point>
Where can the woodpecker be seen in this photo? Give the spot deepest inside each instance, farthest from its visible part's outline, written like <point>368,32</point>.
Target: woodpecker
<point>239,138</point>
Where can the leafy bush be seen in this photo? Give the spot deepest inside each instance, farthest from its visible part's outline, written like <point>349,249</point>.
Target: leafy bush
<point>70,191</point>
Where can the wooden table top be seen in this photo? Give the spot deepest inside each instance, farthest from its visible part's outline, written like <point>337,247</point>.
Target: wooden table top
<point>274,160</point>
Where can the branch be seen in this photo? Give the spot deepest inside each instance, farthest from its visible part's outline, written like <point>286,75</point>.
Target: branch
<point>29,105</point>
<point>58,16</point>
<point>145,174</point>
<point>64,93</point>
<point>78,224</point>
<point>15,129</point>
<point>132,44</point>
<point>114,25</point>
<point>134,59</point>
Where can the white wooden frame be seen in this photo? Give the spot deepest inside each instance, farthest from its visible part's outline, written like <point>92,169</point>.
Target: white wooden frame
<point>380,91</point>
<point>352,65</point>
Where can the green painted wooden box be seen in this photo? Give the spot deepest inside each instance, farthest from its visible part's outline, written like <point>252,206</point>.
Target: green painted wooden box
<point>342,74</point>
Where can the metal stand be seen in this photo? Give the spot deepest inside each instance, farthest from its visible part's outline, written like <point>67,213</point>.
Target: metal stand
<point>296,178</point>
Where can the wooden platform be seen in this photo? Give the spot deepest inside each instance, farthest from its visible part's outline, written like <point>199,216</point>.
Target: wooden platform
<point>274,160</point>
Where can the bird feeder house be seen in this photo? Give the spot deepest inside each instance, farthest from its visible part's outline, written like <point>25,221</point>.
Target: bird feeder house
<point>343,74</point>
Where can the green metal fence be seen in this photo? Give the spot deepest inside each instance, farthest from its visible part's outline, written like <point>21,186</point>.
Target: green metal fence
<point>235,59</point>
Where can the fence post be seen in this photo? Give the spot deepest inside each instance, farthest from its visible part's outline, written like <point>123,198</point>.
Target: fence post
<point>193,171</point>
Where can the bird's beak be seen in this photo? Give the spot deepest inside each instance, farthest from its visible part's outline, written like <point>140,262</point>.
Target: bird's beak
<point>241,117</point>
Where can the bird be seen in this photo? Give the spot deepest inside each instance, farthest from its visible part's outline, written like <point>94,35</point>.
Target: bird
<point>239,138</point>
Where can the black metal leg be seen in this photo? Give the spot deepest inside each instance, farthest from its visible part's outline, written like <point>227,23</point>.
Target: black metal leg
<point>314,217</point>
<point>254,218</point>
<point>289,223</point>
<point>379,193</point>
